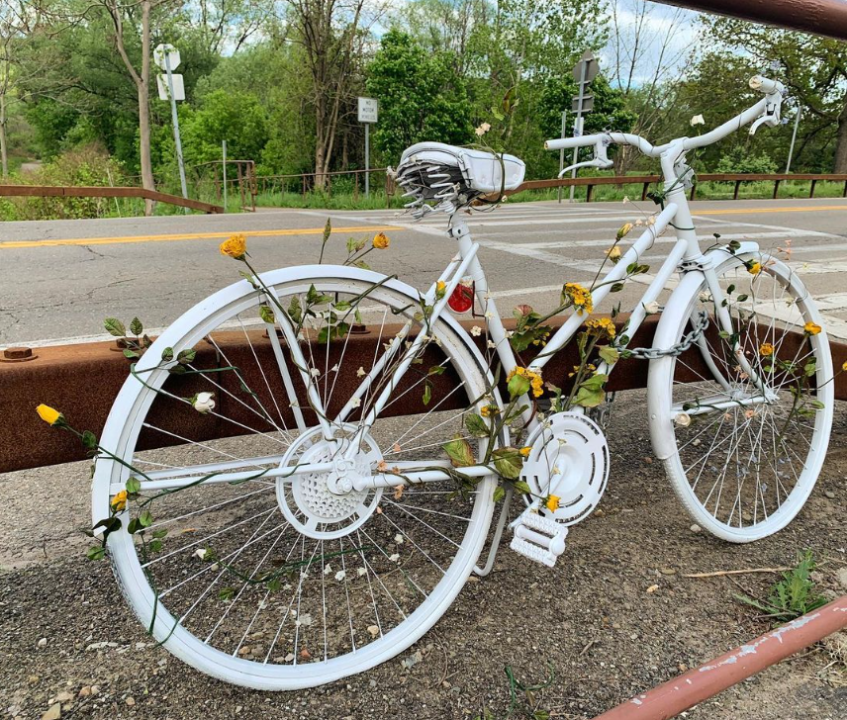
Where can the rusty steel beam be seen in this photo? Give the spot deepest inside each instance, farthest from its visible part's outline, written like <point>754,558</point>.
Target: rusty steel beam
<point>819,17</point>
<point>699,684</point>
<point>83,380</point>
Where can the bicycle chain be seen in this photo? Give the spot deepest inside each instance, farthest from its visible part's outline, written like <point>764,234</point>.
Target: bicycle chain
<point>675,350</point>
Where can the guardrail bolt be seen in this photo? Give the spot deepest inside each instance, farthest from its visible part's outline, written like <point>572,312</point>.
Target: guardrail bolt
<point>18,354</point>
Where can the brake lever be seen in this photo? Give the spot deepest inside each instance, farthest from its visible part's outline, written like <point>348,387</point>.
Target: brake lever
<point>600,159</point>
<point>771,115</point>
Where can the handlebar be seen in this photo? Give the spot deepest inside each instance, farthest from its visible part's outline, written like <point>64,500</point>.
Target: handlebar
<point>764,111</point>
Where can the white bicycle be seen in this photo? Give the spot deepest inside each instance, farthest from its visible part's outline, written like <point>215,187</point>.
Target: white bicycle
<point>328,530</point>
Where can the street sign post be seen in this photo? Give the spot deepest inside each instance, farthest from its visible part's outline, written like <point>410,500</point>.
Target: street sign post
<point>562,152</point>
<point>583,72</point>
<point>168,59</point>
<point>368,113</point>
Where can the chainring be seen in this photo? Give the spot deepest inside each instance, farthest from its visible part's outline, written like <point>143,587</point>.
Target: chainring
<point>569,458</point>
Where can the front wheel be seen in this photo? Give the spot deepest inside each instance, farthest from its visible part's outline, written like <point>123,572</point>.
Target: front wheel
<point>742,418</point>
<point>278,583</point>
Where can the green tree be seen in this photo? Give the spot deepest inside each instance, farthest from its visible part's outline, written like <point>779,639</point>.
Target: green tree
<point>420,97</point>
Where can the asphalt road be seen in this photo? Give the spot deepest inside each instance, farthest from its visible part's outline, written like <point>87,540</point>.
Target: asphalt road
<point>59,279</point>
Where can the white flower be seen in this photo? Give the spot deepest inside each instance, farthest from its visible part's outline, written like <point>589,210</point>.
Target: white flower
<point>398,538</point>
<point>651,308</point>
<point>683,419</point>
<point>697,120</point>
<point>476,331</point>
<point>625,199</point>
<point>361,372</point>
<point>395,557</point>
<point>361,572</point>
<point>203,402</point>
<point>315,372</point>
<point>355,402</point>
<point>340,575</point>
<point>334,368</point>
<point>705,296</point>
<point>327,569</point>
<point>201,553</point>
<point>492,344</point>
<point>489,315</point>
<point>482,129</point>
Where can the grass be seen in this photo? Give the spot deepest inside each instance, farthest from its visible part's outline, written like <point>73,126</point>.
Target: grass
<point>792,596</point>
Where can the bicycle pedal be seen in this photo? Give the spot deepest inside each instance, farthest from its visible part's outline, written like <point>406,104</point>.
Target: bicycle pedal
<point>539,538</point>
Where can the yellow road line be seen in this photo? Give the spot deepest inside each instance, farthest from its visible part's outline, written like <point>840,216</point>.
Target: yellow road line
<point>747,211</point>
<point>190,236</point>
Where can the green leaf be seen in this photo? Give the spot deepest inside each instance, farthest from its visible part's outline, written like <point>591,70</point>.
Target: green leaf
<point>591,392</point>
<point>437,370</point>
<point>133,486</point>
<point>114,327</point>
<point>499,493</point>
<point>608,354</point>
<point>274,584</point>
<point>508,462</point>
<point>146,519</point>
<point>159,534</point>
<point>226,594</point>
<point>186,356</point>
<point>249,278</point>
<point>134,526</point>
<point>167,354</point>
<point>327,231</point>
<point>522,487</point>
<point>98,552</point>
<point>266,314</point>
<point>89,439</point>
<point>131,354</point>
<point>475,425</point>
<point>427,393</point>
<point>135,327</point>
<point>294,310</point>
<point>617,287</point>
<point>460,452</point>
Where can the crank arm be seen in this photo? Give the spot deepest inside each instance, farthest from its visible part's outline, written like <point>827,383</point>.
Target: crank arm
<point>720,402</point>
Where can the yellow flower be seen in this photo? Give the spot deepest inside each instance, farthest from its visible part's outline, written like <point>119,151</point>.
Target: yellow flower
<point>624,231</point>
<point>489,410</point>
<point>525,451</point>
<point>381,241</point>
<point>235,246</point>
<point>603,325</point>
<point>614,253</point>
<point>552,503</point>
<point>440,289</point>
<point>766,350</point>
<point>754,268</point>
<point>812,328</point>
<point>844,366</point>
<point>49,415</point>
<point>535,382</point>
<point>578,296</point>
<point>119,502</point>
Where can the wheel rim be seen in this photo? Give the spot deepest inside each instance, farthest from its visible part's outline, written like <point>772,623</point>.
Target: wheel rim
<point>746,470</point>
<point>356,603</point>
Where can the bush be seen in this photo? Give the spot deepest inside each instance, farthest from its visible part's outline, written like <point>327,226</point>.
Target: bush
<point>739,160</point>
<point>89,165</point>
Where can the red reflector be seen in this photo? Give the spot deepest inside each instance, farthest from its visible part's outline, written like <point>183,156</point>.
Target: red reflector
<point>461,300</point>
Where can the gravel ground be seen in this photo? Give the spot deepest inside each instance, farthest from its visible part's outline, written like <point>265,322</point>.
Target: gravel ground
<point>70,647</point>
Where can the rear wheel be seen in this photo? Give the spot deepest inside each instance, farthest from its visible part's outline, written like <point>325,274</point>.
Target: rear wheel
<point>280,583</point>
<point>744,454</point>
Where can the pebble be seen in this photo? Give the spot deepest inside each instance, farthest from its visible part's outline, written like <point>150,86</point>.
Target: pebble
<point>667,571</point>
<point>830,494</point>
<point>842,577</point>
<point>695,528</point>
<point>32,679</point>
<point>53,713</point>
<point>42,642</point>
<point>652,589</point>
<point>373,630</point>
<point>84,691</point>
<point>130,701</point>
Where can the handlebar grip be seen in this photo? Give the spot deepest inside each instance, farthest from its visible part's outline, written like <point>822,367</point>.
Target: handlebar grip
<point>765,85</point>
<point>566,143</point>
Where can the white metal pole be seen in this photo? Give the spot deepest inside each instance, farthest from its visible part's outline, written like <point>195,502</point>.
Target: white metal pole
<point>367,159</point>
<point>793,138</point>
<point>578,122</point>
<point>176,128</point>
<point>562,151</point>
<point>223,163</point>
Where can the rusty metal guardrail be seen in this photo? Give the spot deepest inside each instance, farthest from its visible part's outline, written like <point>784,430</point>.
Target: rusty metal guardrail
<point>106,192</point>
<point>64,377</point>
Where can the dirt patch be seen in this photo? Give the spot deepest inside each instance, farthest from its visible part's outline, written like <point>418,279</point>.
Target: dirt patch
<point>589,625</point>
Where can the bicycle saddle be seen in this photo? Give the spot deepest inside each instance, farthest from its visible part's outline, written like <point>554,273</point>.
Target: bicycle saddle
<point>444,177</point>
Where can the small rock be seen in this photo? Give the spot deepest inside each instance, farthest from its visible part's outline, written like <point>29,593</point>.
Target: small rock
<point>32,679</point>
<point>830,494</point>
<point>289,657</point>
<point>130,701</point>
<point>413,659</point>
<point>652,589</point>
<point>84,691</point>
<point>53,713</point>
<point>64,696</point>
<point>683,667</point>
<point>245,650</point>
<point>95,689</point>
<point>373,630</point>
<point>599,512</point>
<point>842,577</point>
<point>667,571</point>
<point>42,642</point>
<point>695,528</point>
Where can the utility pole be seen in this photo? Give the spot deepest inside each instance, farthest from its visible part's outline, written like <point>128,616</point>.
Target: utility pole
<point>793,139</point>
<point>562,151</point>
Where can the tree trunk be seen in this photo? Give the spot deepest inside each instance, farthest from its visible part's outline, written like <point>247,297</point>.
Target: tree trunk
<point>840,165</point>
<point>147,179</point>
<point>4,150</point>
